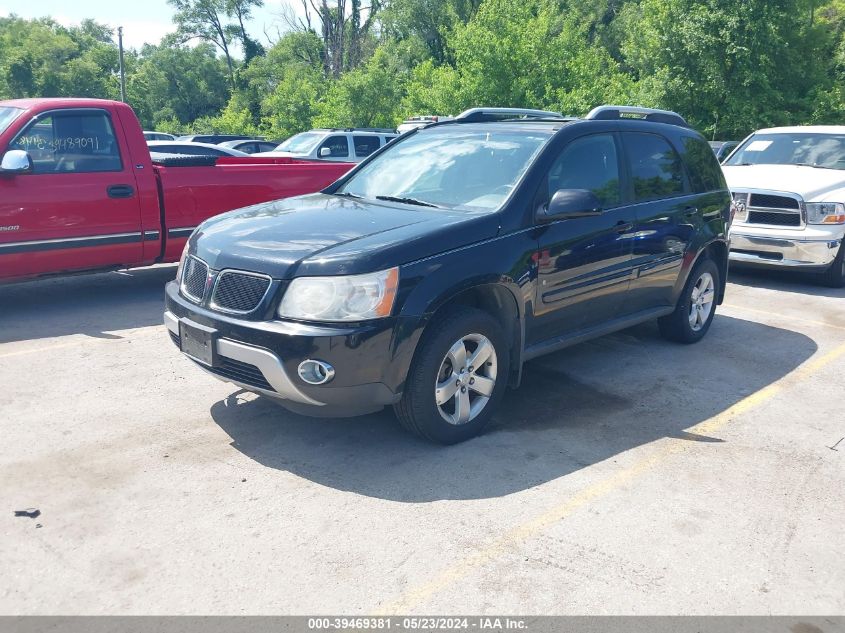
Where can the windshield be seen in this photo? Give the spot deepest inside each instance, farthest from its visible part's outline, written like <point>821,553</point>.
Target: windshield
<point>792,148</point>
<point>7,115</point>
<point>301,143</point>
<point>450,167</point>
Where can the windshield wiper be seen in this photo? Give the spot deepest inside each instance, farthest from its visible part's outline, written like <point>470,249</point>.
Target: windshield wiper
<point>407,201</point>
<point>348,195</point>
<point>810,165</point>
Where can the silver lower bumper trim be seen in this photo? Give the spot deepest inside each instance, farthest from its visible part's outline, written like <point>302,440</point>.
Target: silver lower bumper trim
<point>266,361</point>
<point>777,252</point>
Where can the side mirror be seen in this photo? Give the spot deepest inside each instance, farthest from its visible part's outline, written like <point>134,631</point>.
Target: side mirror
<point>570,203</point>
<point>325,151</point>
<point>15,161</point>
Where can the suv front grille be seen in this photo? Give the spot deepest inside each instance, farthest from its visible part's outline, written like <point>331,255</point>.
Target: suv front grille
<point>241,372</point>
<point>239,292</point>
<point>194,277</point>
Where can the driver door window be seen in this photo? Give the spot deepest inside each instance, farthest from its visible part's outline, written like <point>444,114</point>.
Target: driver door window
<point>592,163</point>
<point>72,142</point>
<point>339,146</point>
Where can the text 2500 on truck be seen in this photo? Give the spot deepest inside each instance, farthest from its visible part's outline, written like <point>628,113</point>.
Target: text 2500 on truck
<point>424,278</point>
<point>79,190</point>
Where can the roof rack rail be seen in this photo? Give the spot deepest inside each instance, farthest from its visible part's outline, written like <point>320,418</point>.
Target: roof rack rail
<point>380,130</point>
<point>495,114</point>
<point>610,112</point>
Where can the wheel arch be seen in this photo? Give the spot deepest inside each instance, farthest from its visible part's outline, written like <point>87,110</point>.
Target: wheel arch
<point>500,302</point>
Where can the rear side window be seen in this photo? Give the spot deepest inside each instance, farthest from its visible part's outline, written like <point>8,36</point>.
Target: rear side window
<point>70,142</point>
<point>365,145</point>
<point>656,168</point>
<point>702,165</point>
<point>589,162</point>
<point>338,145</point>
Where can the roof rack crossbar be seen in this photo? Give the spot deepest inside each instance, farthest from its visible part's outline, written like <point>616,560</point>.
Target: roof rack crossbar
<point>611,112</point>
<point>488,114</point>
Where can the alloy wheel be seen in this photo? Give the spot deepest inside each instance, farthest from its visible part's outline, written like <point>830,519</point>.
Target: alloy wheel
<point>466,379</point>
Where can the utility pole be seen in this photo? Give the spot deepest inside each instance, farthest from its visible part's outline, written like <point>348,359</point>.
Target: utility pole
<point>122,73</point>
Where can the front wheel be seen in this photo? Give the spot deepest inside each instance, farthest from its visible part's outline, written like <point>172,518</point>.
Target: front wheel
<point>835,275</point>
<point>696,307</point>
<point>458,376</point>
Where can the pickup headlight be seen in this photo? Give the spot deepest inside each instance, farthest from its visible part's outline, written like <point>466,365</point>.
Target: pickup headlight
<point>347,298</point>
<point>825,213</point>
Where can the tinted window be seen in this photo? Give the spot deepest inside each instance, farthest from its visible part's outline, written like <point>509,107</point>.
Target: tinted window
<point>70,142</point>
<point>339,146</point>
<point>656,168</point>
<point>265,147</point>
<point>704,171</point>
<point>590,163</point>
<point>365,145</point>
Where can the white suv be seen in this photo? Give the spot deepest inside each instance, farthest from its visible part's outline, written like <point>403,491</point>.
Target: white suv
<point>339,145</point>
<point>788,185</point>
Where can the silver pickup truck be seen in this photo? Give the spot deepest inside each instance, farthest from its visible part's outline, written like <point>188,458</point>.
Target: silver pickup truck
<point>788,185</point>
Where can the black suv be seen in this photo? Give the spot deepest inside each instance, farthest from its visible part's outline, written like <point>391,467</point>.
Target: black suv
<point>427,276</point>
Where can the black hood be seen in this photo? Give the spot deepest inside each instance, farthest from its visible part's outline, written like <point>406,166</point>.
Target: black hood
<point>321,234</point>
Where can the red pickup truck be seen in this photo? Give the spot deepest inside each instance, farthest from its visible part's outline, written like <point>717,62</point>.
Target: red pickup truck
<point>79,190</point>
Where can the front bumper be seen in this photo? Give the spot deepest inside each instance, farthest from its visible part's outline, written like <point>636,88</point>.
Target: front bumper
<point>783,252</point>
<point>263,357</point>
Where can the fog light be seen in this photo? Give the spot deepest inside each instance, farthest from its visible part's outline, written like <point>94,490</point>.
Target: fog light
<point>315,372</point>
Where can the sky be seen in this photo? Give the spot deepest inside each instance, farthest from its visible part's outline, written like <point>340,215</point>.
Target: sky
<point>142,21</point>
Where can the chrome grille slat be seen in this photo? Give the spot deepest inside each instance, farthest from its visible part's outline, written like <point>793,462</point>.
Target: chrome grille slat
<point>240,292</point>
<point>194,279</point>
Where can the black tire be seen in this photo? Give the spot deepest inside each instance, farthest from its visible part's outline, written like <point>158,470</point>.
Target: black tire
<point>418,410</point>
<point>835,275</point>
<point>676,326</point>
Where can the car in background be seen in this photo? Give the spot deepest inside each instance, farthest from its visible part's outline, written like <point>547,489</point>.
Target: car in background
<point>250,146</point>
<point>349,145</point>
<point>184,148</point>
<point>420,121</point>
<point>214,139</point>
<point>788,186</point>
<point>723,149</point>
<point>158,136</point>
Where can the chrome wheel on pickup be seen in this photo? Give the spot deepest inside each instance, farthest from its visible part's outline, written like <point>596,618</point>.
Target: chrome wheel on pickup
<point>466,379</point>
<point>458,375</point>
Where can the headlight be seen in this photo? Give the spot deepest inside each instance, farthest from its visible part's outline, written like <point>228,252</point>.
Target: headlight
<point>348,298</point>
<point>825,213</point>
<point>739,207</point>
<point>181,262</point>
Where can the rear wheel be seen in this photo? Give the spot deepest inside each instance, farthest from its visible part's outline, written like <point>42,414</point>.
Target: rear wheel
<point>696,307</point>
<point>458,376</point>
<point>835,275</point>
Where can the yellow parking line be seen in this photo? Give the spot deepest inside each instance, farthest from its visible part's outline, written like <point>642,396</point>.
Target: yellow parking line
<point>785,317</point>
<point>667,447</point>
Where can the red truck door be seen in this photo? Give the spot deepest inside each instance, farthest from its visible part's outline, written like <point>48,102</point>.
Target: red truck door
<point>79,207</point>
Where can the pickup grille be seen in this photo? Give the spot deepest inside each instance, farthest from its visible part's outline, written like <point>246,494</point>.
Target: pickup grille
<point>774,210</point>
<point>194,277</point>
<point>775,219</point>
<point>768,201</point>
<point>239,292</point>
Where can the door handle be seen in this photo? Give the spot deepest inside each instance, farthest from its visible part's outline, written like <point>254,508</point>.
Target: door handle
<point>120,191</point>
<point>623,227</point>
<point>690,211</point>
